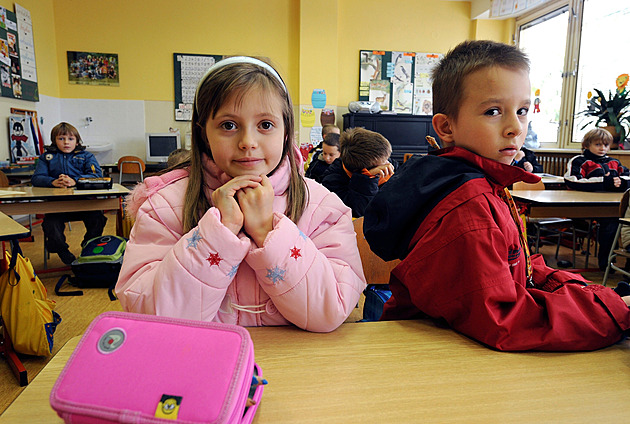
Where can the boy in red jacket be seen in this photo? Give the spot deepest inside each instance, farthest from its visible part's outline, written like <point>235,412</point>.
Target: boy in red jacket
<point>450,219</point>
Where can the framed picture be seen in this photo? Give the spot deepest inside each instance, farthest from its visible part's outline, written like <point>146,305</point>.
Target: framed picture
<point>93,68</point>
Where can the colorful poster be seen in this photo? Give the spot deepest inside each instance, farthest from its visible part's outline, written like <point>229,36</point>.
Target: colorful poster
<point>27,45</point>
<point>307,116</point>
<point>22,142</point>
<point>402,97</point>
<point>327,116</point>
<point>318,98</point>
<point>93,68</point>
<point>380,92</point>
<point>423,94</point>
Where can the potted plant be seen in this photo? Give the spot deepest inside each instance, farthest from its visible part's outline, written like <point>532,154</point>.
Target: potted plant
<point>614,111</point>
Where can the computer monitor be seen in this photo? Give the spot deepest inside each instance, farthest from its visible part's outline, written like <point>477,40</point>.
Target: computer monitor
<point>159,146</point>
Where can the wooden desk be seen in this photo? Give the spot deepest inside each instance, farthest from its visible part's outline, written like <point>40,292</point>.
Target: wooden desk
<point>29,200</point>
<point>11,230</point>
<point>569,203</point>
<point>405,372</point>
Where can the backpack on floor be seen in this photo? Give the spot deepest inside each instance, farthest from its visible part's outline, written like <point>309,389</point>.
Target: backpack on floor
<point>98,265</point>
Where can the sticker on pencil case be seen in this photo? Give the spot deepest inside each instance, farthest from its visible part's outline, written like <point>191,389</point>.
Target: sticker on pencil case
<point>111,340</point>
<point>168,407</point>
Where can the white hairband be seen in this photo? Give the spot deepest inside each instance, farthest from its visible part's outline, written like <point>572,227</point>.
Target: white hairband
<point>239,59</point>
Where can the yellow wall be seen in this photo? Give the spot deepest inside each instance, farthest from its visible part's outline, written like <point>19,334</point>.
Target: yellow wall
<point>145,34</point>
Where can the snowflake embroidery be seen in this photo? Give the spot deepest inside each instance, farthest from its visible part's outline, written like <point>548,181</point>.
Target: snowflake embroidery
<point>295,253</point>
<point>192,241</point>
<point>232,272</point>
<point>302,234</point>
<point>276,274</point>
<point>214,259</point>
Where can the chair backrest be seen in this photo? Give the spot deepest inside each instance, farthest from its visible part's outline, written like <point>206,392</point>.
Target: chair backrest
<point>375,269</point>
<point>521,185</point>
<point>623,205</point>
<point>131,165</point>
<point>407,156</point>
<point>4,180</point>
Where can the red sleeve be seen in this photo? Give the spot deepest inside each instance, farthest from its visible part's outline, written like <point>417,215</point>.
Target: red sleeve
<point>459,271</point>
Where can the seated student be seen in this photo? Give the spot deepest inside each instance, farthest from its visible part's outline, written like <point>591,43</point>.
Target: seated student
<point>595,171</point>
<point>321,160</point>
<point>61,165</point>
<point>326,129</point>
<point>177,156</point>
<point>526,159</point>
<point>364,165</point>
<point>451,220</point>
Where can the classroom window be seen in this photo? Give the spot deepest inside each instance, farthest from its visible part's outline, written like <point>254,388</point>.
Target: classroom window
<point>574,46</point>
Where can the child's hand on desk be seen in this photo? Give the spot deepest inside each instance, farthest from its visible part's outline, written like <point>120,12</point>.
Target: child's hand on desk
<point>224,199</point>
<point>257,207</point>
<point>617,181</point>
<point>64,181</point>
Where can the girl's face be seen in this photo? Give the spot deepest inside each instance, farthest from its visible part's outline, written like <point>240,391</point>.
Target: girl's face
<point>66,142</point>
<point>598,148</point>
<point>246,137</point>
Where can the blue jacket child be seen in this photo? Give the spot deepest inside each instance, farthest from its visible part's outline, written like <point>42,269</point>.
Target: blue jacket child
<point>61,165</point>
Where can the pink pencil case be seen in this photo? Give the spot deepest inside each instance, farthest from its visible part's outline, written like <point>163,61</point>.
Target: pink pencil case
<point>133,368</point>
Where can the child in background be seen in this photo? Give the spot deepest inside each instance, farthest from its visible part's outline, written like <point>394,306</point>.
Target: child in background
<point>326,129</point>
<point>595,171</point>
<point>451,220</point>
<point>321,160</point>
<point>177,156</point>
<point>236,234</point>
<point>364,165</point>
<point>61,165</point>
<point>526,159</point>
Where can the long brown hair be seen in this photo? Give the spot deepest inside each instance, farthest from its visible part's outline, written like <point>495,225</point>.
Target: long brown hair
<point>214,90</point>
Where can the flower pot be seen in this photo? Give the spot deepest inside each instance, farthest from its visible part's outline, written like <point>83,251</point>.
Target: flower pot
<point>611,129</point>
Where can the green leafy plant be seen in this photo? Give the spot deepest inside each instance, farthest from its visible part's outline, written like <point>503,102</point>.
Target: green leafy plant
<point>614,111</point>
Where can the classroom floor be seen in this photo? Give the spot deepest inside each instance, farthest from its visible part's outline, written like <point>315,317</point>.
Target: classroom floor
<point>77,312</point>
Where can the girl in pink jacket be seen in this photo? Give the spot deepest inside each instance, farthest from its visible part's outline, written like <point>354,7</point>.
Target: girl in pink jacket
<point>236,234</point>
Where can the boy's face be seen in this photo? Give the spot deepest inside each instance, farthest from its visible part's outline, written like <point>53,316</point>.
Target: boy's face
<point>66,142</point>
<point>598,148</point>
<point>330,153</point>
<point>492,120</point>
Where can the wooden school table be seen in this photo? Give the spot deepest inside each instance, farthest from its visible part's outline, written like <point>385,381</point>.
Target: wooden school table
<point>404,372</point>
<point>11,230</point>
<point>30,200</point>
<point>569,203</point>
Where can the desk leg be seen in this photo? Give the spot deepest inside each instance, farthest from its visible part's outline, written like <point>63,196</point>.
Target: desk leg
<point>6,350</point>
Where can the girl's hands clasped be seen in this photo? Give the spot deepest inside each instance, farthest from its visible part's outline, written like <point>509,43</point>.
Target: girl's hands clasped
<point>246,203</point>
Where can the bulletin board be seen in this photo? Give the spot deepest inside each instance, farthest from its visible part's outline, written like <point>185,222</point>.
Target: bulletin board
<point>399,81</point>
<point>18,73</point>
<point>189,68</point>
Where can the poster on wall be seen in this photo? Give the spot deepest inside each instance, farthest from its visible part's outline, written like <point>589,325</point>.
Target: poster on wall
<point>93,68</point>
<point>188,70</point>
<point>23,139</point>
<point>399,81</point>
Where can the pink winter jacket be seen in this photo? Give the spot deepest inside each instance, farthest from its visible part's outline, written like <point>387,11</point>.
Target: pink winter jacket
<point>308,274</point>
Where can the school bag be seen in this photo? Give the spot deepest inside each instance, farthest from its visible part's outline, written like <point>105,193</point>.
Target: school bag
<point>142,368</point>
<point>98,265</point>
<point>375,297</point>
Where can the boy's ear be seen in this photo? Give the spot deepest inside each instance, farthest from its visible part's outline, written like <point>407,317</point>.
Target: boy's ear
<point>442,126</point>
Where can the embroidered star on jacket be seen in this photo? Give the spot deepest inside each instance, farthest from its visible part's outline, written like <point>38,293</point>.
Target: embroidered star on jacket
<point>194,239</point>
<point>214,259</point>
<point>295,253</point>
<point>276,274</point>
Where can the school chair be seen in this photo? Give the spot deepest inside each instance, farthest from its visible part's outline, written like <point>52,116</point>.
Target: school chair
<point>553,226</point>
<point>407,156</point>
<point>376,272</point>
<point>620,251</point>
<point>4,180</point>
<point>130,165</point>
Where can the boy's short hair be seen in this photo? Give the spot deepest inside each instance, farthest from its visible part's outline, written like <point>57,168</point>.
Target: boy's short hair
<point>596,134</point>
<point>328,129</point>
<point>332,139</point>
<point>177,156</point>
<point>468,57</point>
<point>64,128</point>
<point>361,148</point>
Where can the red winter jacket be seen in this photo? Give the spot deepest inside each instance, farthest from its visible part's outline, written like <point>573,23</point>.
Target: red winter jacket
<point>462,261</point>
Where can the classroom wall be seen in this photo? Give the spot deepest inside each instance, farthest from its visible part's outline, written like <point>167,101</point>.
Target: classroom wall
<point>313,44</point>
